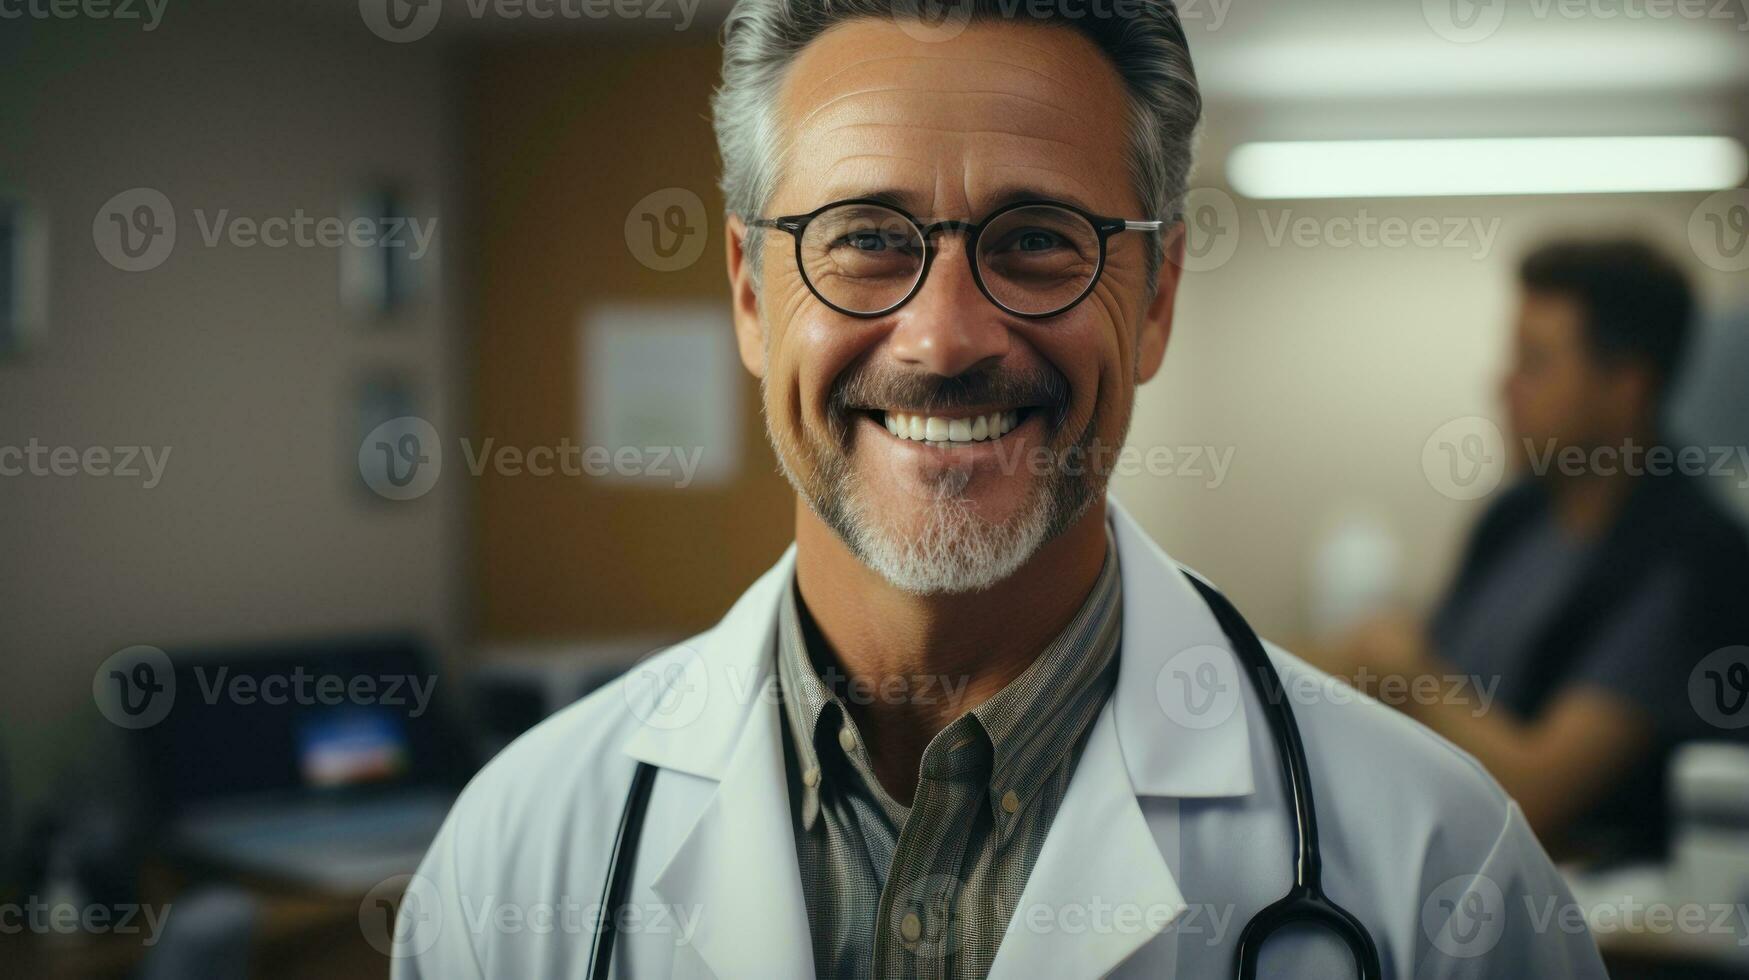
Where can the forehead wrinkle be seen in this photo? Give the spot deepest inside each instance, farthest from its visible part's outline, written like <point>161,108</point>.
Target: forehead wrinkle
<point>1050,83</point>
<point>1049,71</point>
<point>994,94</point>
<point>980,180</point>
<point>998,118</point>
<point>912,127</point>
<point>859,173</point>
<point>854,158</point>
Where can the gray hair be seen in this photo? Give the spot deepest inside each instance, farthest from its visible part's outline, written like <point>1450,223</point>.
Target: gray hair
<point>1143,38</point>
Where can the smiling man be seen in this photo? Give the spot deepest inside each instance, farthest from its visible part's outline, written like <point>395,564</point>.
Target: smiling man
<point>974,723</point>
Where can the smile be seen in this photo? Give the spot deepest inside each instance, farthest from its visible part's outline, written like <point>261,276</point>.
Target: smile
<point>947,430</point>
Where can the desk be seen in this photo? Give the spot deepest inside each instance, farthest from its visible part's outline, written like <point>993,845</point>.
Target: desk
<point>1639,956</point>
<point>297,936</point>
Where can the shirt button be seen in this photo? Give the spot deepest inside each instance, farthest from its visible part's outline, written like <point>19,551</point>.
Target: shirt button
<point>1010,802</point>
<point>911,928</point>
<point>847,739</point>
<point>811,778</point>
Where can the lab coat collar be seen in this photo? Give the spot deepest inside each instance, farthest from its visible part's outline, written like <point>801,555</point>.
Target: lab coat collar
<point>1172,743</point>
<point>1181,735</point>
<point>708,691</point>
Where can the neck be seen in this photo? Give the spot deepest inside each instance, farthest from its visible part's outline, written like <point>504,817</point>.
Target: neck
<point>924,661</point>
<point>1587,504</point>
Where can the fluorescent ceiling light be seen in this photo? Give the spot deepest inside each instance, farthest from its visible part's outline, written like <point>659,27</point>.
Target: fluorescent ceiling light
<point>1439,168</point>
<point>1396,64</point>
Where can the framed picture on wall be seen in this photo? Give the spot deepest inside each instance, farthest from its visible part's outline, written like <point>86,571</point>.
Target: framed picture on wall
<point>23,276</point>
<point>393,446</point>
<point>388,247</point>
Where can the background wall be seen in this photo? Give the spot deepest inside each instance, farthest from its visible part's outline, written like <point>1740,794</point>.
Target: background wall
<point>239,360</point>
<point>559,170</point>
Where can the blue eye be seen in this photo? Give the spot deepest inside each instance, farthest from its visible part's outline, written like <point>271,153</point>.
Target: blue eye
<point>865,241</point>
<point>1035,240</point>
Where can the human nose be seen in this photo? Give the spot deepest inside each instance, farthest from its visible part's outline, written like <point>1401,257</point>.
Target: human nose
<point>949,327</point>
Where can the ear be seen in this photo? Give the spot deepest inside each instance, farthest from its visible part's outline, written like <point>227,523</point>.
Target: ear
<point>1633,390</point>
<point>743,298</point>
<point>1156,326</point>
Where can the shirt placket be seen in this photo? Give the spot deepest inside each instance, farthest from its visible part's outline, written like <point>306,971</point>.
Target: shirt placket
<point>917,927</point>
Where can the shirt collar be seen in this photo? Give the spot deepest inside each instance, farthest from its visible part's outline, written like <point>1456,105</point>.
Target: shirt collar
<point>1042,715</point>
<point>1032,723</point>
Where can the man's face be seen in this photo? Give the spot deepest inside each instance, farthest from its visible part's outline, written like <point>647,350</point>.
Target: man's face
<point>1557,389</point>
<point>952,130</point>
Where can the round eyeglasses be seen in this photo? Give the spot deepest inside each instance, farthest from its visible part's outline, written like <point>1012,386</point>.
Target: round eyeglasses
<point>1035,259</point>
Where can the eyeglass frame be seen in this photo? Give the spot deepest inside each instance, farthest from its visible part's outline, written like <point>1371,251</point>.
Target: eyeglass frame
<point>1104,226</point>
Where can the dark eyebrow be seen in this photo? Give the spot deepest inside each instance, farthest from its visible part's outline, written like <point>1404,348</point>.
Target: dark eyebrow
<point>1014,194</point>
<point>892,197</point>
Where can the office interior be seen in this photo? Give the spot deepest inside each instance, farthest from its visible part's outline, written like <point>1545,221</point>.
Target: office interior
<point>564,168</point>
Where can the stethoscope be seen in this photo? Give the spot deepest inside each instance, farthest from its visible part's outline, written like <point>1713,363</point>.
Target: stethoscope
<point>1304,904</point>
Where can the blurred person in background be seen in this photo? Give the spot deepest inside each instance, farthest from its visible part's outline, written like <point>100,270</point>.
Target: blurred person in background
<point>1593,586</point>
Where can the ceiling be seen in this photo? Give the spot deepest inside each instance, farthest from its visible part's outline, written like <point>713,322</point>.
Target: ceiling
<point>1297,68</point>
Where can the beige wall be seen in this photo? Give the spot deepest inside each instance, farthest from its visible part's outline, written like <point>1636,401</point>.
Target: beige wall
<point>239,360</point>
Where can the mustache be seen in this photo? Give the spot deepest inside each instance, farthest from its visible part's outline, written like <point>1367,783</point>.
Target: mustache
<point>923,393</point>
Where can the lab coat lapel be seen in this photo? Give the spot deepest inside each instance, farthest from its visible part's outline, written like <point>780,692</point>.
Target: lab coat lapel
<point>1101,889</point>
<point>1161,735</point>
<point>735,870</point>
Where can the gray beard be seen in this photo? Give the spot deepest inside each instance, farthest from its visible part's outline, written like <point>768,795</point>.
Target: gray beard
<point>956,551</point>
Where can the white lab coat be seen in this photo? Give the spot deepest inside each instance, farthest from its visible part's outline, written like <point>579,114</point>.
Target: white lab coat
<point>1172,835</point>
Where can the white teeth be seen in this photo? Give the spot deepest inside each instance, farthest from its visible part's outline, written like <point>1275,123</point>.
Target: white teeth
<point>934,428</point>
